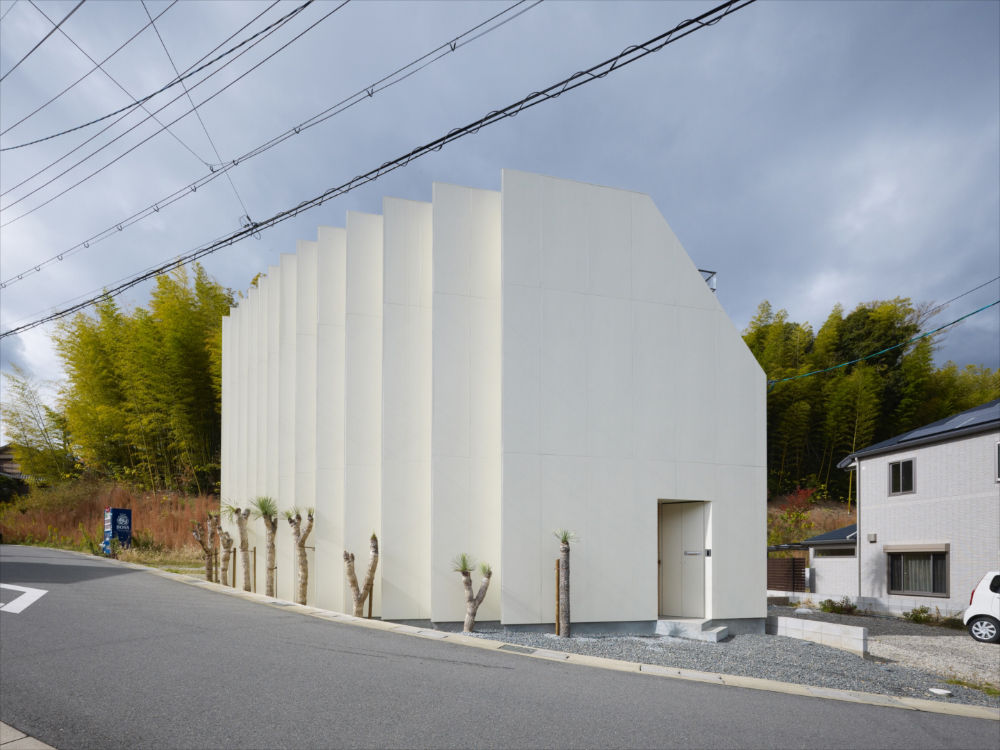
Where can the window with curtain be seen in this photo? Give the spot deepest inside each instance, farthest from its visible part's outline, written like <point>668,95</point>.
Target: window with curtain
<point>920,573</point>
<point>901,477</point>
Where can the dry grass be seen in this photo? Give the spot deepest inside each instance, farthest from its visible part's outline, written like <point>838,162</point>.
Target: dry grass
<point>65,515</point>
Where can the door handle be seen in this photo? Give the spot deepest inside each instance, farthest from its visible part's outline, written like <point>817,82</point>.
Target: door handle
<point>686,553</point>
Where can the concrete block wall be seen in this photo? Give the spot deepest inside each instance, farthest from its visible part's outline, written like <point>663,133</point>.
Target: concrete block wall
<point>844,637</point>
<point>469,375</point>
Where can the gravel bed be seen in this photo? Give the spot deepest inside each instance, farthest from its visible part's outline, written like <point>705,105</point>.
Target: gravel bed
<point>767,656</point>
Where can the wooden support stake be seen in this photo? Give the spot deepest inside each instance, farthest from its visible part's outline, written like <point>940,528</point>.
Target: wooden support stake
<point>370,597</point>
<point>255,570</point>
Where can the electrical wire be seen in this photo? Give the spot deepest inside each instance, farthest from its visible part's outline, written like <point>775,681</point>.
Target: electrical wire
<point>51,32</point>
<point>106,128</point>
<point>204,127</point>
<point>363,94</point>
<point>156,133</point>
<point>170,85</point>
<point>943,305</point>
<point>85,75</point>
<point>98,66</point>
<point>9,9</point>
<point>772,383</point>
<point>594,73</point>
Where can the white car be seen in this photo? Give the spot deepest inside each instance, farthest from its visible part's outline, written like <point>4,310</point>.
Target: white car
<point>983,615</point>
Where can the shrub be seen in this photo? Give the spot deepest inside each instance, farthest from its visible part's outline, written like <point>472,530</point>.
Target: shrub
<point>844,607</point>
<point>920,614</point>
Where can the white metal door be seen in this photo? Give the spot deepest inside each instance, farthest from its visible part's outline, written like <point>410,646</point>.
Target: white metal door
<point>682,559</point>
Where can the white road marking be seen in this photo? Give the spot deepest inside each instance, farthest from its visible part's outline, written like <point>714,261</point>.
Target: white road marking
<point>25,600</point>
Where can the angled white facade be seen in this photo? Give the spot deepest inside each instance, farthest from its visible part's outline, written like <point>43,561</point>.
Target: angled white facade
<point>470,374</point>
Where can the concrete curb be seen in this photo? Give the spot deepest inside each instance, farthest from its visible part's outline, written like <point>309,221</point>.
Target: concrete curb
<point>752,683</point>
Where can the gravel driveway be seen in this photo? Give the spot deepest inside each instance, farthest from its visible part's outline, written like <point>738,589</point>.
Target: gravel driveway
<point>942,651</point>
<point>908,659</point>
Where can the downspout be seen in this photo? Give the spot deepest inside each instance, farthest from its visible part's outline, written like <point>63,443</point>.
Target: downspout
<point>856,468</point>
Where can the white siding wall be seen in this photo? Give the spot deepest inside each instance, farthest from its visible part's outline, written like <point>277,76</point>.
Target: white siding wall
<point>406,410</point>
<point>956,501</point>
<point>835,578</point>
<point>620,375</point>
<point>465,510</point>
<point>471,375</point>
<point>331,275</point>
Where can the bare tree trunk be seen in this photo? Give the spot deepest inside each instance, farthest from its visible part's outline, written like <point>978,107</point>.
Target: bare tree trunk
<point>300,551</point>
<point>564,589</point>
<point>214,525</point>
<point>241,525</point>
<point>360,594</point>
<point>198,533</point>
<point>472,602</point>
<point>270,528</point>
<point>227,551</point>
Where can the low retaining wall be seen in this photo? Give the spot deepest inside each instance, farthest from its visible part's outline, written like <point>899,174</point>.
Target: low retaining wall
<point>845,637</point>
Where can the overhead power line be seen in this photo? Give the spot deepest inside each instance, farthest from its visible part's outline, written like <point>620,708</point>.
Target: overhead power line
<point>596,72</point>
<point>364,94</point>
<point>106,128</point>
<point>40,41</point>
<point>97,66</point>
<point>943,305</point>
<point>204,127</point>
<point>772,383</point>
<point>170,85</point>
<point>156,133</point>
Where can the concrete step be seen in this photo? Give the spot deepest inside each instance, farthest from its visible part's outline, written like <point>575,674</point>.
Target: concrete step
<point>692,628</point>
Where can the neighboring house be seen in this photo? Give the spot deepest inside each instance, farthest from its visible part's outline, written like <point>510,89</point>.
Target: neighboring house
<point>8,464</point>
<point>833,563</point>
<point>928,513</point>
<point>470,374</point>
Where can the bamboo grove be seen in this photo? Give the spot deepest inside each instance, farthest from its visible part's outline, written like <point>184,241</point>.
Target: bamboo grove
<point>813,422</point>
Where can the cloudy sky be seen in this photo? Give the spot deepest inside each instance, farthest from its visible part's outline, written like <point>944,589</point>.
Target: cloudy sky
<point>809,152</point>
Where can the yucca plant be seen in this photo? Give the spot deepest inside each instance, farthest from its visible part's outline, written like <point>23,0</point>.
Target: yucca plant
<point>464,564</point>
<point>205,541</point>
<point>359,594</point>
<point>266,509</point>
<point>294,519</point>
<point>226,542</point>
<point>565,536</point>
<point>239,515</point>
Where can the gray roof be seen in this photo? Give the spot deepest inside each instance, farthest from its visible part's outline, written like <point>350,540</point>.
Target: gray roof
<point>845,535</point>
<point>980,418</point>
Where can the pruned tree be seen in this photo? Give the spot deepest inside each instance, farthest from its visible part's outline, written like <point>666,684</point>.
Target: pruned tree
<point>227,550</point>
<point>464,564</point>
<point>214,527</point>
<point>266,509</point>
<point>241,516</point>
<point>300,535</point>
<point>361,593</point>
<point>198,532</point>
<point>565,537</point>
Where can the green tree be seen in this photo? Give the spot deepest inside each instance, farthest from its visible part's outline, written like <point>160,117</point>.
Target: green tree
<point>37,432</point>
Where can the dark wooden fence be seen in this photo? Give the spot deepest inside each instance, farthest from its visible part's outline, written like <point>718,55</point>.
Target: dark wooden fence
<point>786,574</point>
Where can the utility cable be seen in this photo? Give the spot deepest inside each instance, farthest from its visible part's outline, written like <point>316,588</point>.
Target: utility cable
<point>98,66</point>
<point>596,72</point>
<point>364,94</point>
<point>772,383</point>
<point>156,133</point>
<point>9,9</point>
<point>943,305</point>
<point>106,128</point>
<point>170,85</point>
<point>51,32</point>
<point>204,127</point>
<point>122,46</point>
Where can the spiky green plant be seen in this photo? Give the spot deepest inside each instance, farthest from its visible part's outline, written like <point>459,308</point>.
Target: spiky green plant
<point>485,570</point>
<point>565,536</point>
<point>463,563</point>
<point>264,506</point>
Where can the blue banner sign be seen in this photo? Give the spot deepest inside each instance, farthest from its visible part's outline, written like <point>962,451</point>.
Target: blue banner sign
<point>117,525</point>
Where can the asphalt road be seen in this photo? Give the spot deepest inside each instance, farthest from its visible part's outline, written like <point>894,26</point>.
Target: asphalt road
<point>112,657</point>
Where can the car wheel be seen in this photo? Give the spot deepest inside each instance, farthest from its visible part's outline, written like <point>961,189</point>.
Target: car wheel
<point>985,629</point>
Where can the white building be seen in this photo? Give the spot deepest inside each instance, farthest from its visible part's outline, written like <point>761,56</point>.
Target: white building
<point>929,513</point>
<point>468,375</point>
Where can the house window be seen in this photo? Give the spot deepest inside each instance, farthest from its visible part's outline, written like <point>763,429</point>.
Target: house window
<point>918,573</point>
<point>901,477</point>
<point>834,552</point>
